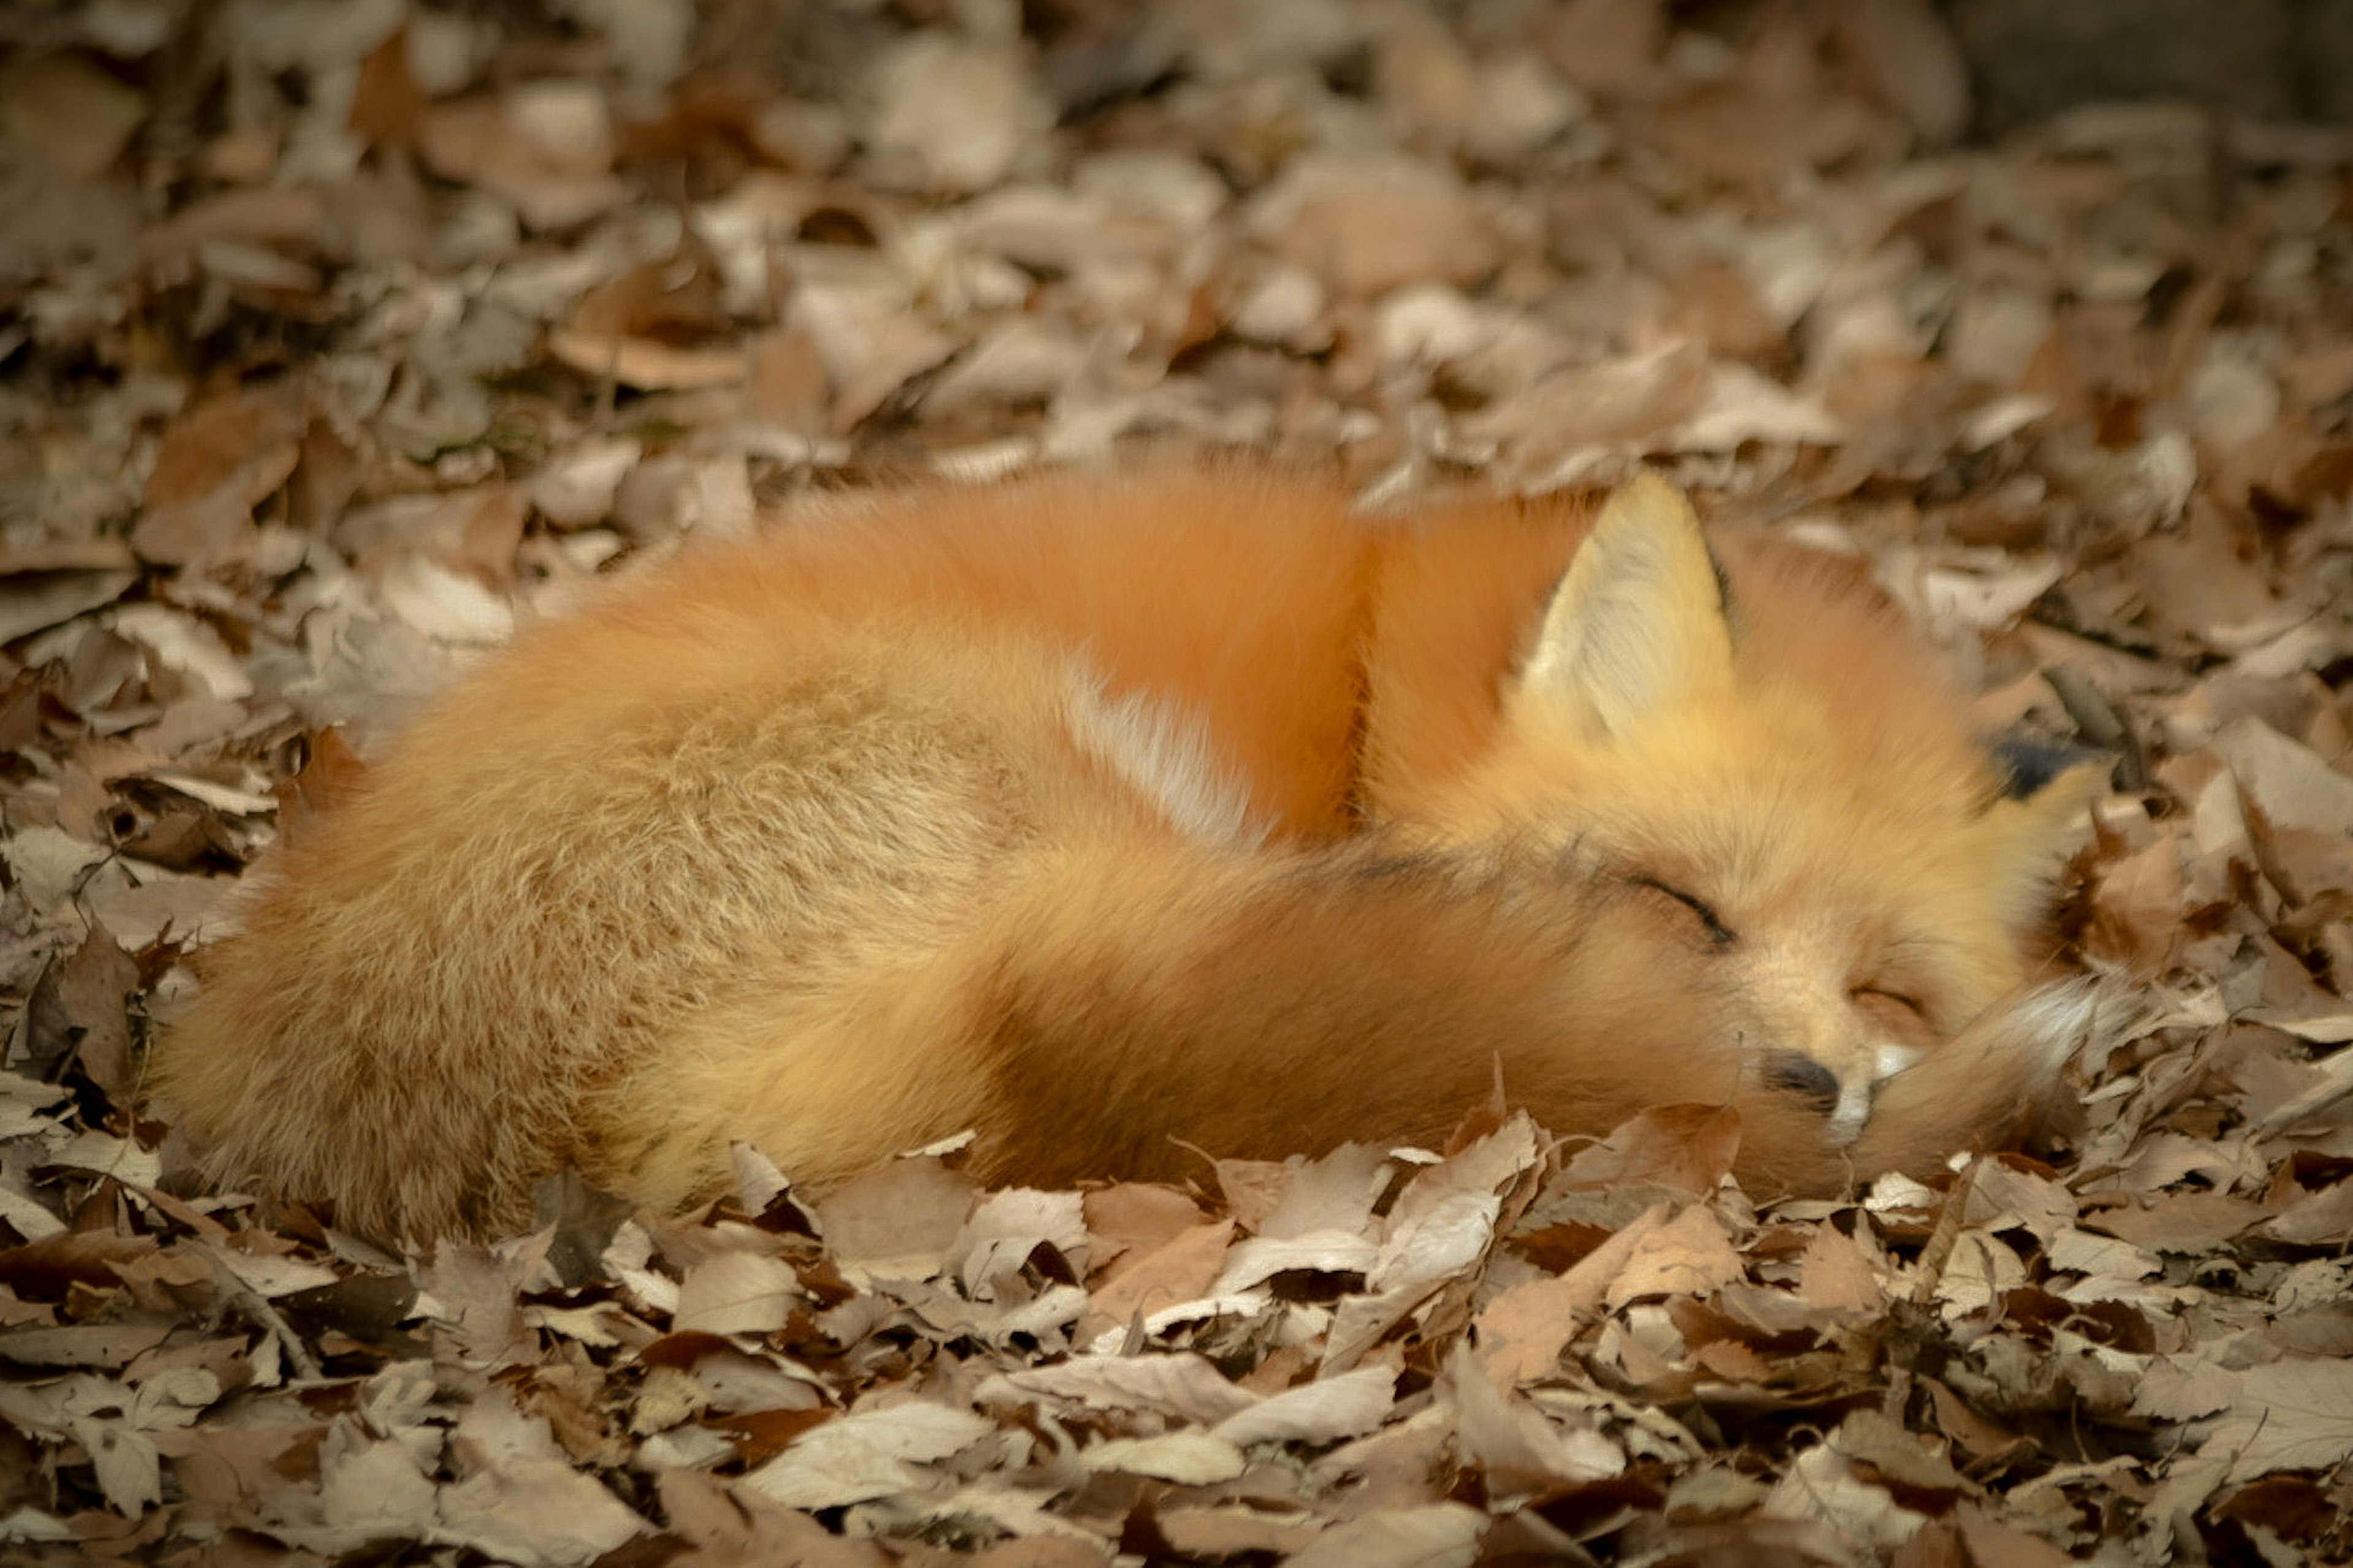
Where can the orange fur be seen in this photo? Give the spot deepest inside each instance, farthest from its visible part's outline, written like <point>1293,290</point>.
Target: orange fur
<point>1097,815</point>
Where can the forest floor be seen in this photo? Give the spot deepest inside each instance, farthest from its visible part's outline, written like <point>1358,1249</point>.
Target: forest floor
<point>336,339</point>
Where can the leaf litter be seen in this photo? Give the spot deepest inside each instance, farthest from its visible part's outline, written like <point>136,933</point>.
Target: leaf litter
<point>337,341</point>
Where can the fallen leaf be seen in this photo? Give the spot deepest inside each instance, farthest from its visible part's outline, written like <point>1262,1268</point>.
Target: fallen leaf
<point>1180,1385</point>
<point>1367,225</point>
<point>736,1293</point>
<point>1189,1459</point>
<point>1689,1253</point>
<point>897,1221</point>
<point>951,115</point>
<point>865,1454</point>
<point>1325,1411</point>
<point>77,114</point>
<point>219,460</point>
<point>1442,1535</point>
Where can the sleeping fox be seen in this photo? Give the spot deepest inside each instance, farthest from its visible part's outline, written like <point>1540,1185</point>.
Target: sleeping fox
<point>1122,820</point>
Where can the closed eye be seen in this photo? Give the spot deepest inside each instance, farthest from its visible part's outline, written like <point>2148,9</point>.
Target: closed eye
<point>1719,935</point>
<point>1909,1004</point>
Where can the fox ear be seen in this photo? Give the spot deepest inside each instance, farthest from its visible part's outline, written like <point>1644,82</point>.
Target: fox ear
<point>1638,624</point>
<point>2033,829</point>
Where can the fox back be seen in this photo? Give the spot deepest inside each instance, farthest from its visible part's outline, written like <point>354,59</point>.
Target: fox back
<point>1109,816</point>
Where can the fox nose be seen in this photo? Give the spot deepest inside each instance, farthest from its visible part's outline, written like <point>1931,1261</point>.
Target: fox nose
<point>1803,1076</point>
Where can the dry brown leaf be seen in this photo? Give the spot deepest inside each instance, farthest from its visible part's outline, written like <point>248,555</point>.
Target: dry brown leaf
<point>2288,1416</point>
<point>472,1291</point>
<point>1442,1536</point>
<point>1181,1385</point>
<point>1824,1486</point>
<point>1604,46</point>
<point>32,600</point>
<point>265,227</point>
<point>868,1453</point>
<point>951,114</point>
<point>1513,1442</point>
<point>1366,227</point>
<point>1691,1254</point>
<point>2289,785</point>
<point>1913,60</point>
<point>1188,1459</point>
<point>546,148</point>
<point>1991,1541</point>
<point>1229,1531</point>
<point>870,346</point>
<point>2323,1220</point>
<point>1183,1267</point>
<point>1636,400</point>
<point>645,363</point>
<point>219,460</point>
<point>524,1503</point>
<point>1135,1215</point>
<point>1324,1411</point>
<point>76,1011</point>
<point>789,385</point>
<point>2001,1196</point>
<point>1688,1148</point>
<point>898,1221</point>
<point>1839,1274</point>
<point>75,113</point>
<point>736,1293</point>
<point>2180,1223</point>
<point>1522,1331</point>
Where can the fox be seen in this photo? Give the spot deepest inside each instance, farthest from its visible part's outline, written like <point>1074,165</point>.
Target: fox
<point>1118,822</point>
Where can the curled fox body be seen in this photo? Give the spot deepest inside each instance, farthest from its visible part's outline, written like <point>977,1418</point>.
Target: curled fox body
<point>1118,819</point>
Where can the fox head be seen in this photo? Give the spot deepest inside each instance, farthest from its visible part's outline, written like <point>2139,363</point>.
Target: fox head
<point>1762,766</point>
